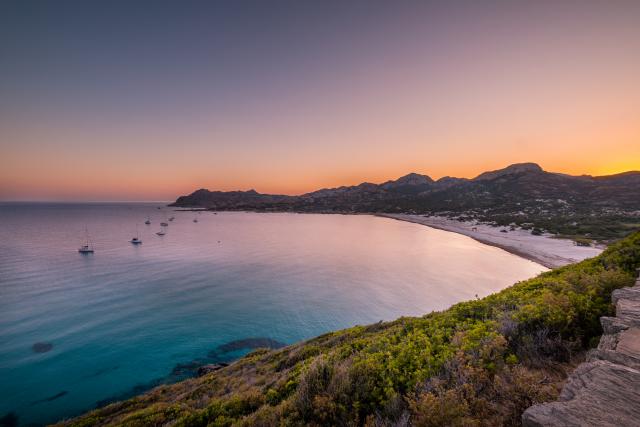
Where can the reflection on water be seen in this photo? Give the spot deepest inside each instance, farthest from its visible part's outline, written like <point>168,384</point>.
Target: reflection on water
<point>78,329</point>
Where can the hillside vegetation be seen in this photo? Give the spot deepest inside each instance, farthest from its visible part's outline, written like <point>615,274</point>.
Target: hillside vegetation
<point>479,363</point>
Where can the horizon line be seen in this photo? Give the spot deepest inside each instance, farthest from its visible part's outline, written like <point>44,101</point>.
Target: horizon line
<point>253,188</point>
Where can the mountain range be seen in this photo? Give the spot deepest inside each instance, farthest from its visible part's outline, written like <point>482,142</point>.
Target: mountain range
<point>522,194</point>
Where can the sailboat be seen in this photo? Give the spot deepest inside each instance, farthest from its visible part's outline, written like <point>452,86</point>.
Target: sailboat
<point>148,221</point>
<point>172,218</point>
<point>162,232</point>
<point>86,248</point>
<point>195,219</point>
<point>164,223</point>
<point>136,240</point>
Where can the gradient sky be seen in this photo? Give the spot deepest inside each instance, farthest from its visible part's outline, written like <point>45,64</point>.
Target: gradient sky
<point>134,100</point>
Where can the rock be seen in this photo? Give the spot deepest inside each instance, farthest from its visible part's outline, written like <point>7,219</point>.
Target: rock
<point>9,420</point>
<point>41,347</point>
<point>604,391</point>
<point>207,369</point>
<point>250,343</point>
<point>612,325</point>
<point>187,369</point>
<point>598,393</point>
<point>628,310</point>
<point>51,398</point>
<point>615,357</point>
<point>626,293</point>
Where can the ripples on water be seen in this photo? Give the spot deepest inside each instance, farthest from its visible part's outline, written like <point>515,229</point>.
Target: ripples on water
<point>127,315</point>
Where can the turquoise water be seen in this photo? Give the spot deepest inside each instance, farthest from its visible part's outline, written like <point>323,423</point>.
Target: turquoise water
<point>128,317</point>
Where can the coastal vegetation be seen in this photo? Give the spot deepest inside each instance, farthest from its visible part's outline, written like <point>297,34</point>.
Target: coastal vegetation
<point>479,363</point>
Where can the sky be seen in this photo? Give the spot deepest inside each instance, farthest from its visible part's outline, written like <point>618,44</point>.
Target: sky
<point>148,100</point>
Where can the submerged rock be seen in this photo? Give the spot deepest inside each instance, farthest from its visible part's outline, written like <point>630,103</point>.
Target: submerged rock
<point>207,369</point>
<point>100,372</point>
<point>51,398</point>
<point>250,343</point>
<point>215,360</point>
<point>9,420</point>
<point>41,347</point>
<point>185,368</point>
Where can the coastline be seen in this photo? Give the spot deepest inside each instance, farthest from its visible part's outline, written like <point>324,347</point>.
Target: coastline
<point>544,250</point>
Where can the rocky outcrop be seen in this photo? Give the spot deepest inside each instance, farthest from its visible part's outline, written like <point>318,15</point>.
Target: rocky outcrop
<point>207,369</point>
<point>605,390</point>
<point>41,347</point>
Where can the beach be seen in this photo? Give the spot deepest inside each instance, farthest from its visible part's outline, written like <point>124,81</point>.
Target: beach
<point>544,249</point>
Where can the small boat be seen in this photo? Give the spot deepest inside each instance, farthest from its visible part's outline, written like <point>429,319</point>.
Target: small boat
<point>164,224</point>
<point>136,240</point>
<point>161,233</point>
<point>86,248</point>
<point>195,219</point>
<point>172,218</point>
<point>148,221</point>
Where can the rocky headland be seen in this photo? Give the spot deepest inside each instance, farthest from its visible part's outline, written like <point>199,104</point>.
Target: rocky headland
<point>601,208</point>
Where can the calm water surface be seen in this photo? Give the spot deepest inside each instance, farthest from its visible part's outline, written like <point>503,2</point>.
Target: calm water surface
<point>133,316</point>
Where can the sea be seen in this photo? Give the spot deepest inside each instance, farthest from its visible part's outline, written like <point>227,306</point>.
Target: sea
<point>78,331</point>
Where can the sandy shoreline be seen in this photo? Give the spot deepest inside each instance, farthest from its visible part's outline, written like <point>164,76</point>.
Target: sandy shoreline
<point>544,250</point>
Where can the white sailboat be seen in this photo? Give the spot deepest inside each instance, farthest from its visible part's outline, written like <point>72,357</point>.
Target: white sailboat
<point>162,232</point>
<point>148,221</point>
<point>136,240</point>
<point>87,247</point>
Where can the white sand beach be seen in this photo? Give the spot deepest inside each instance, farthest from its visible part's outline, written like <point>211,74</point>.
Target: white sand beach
<point>543,249</point>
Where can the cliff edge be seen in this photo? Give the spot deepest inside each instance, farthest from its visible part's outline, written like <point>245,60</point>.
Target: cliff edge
<point>605,390</point>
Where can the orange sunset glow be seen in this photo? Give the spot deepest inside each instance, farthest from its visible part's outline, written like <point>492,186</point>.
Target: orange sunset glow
<point>446,90</point>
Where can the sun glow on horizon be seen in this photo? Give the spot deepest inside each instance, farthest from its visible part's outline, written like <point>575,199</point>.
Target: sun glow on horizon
<point>292,98</point>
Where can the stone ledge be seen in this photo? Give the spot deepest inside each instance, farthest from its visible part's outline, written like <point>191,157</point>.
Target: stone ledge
<point>605,390</point>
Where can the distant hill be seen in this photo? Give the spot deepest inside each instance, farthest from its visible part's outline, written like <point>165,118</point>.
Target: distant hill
<point>602,207</point>
<point>228,199</point>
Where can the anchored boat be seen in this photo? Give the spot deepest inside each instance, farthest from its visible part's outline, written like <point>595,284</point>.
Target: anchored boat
<point>86,248</point>
<point>136,240</point>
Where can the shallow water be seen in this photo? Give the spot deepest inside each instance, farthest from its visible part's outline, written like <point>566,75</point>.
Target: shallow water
<point>127,315</point>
